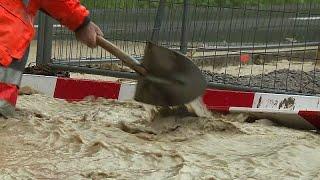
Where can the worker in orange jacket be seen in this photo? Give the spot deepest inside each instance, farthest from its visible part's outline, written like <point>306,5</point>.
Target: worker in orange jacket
<point>17,31</point>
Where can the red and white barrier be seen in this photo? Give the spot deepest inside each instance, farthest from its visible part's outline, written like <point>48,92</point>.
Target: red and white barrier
<point>302,112</point>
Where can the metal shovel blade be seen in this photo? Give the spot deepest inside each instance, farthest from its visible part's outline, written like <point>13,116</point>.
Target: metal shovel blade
<point>172,78</point>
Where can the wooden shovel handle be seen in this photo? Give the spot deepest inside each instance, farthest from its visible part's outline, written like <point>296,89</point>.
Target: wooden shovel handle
<point>123,56</point>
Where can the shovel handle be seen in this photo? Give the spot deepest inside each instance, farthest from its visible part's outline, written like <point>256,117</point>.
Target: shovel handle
<point>123,56</point>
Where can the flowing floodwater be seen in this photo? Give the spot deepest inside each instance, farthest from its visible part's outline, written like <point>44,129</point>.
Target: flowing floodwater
<point>99,139</point>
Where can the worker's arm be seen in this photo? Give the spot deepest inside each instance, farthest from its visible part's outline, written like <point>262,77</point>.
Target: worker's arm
<point>74,16</point>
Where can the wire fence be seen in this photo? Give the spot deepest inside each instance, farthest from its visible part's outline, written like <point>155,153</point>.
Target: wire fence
<point>262,48</point>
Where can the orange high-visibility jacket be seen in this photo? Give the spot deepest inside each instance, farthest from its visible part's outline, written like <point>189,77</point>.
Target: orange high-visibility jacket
<point>16,23</point>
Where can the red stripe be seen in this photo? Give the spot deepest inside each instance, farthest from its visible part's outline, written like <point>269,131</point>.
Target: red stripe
<point>225,99</point>
<point>9,93</point>
<point>313,117</point>
<point>75,90</point>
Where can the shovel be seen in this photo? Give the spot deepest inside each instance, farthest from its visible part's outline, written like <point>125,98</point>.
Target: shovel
<point>166,77</point>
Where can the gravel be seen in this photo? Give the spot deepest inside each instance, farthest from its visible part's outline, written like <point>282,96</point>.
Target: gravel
<point>288,80</point>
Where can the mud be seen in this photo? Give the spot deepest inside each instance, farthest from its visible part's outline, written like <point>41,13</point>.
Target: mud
<point>101,139</point>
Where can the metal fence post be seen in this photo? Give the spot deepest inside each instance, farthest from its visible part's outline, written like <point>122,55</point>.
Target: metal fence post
<point>44,39</point>
<point>158,21</point>
<point>184,31</point>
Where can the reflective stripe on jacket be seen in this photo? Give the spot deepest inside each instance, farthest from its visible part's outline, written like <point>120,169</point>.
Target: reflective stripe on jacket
<point>8,98</point>
<point>10,81</point>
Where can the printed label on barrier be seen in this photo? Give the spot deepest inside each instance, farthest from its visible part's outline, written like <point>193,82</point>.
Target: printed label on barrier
<point>285,102</point>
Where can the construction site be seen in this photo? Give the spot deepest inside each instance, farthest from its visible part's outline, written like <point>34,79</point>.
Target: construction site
<point>254,113</point>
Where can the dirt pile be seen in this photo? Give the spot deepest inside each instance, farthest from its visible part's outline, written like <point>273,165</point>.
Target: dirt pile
<point>289,80</point>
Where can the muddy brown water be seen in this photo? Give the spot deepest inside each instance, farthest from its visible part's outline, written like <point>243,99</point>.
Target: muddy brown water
<point>53,139</point>
<point>100,139</point>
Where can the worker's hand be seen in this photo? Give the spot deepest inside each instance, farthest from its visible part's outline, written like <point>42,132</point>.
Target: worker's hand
<point>88,34</point>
